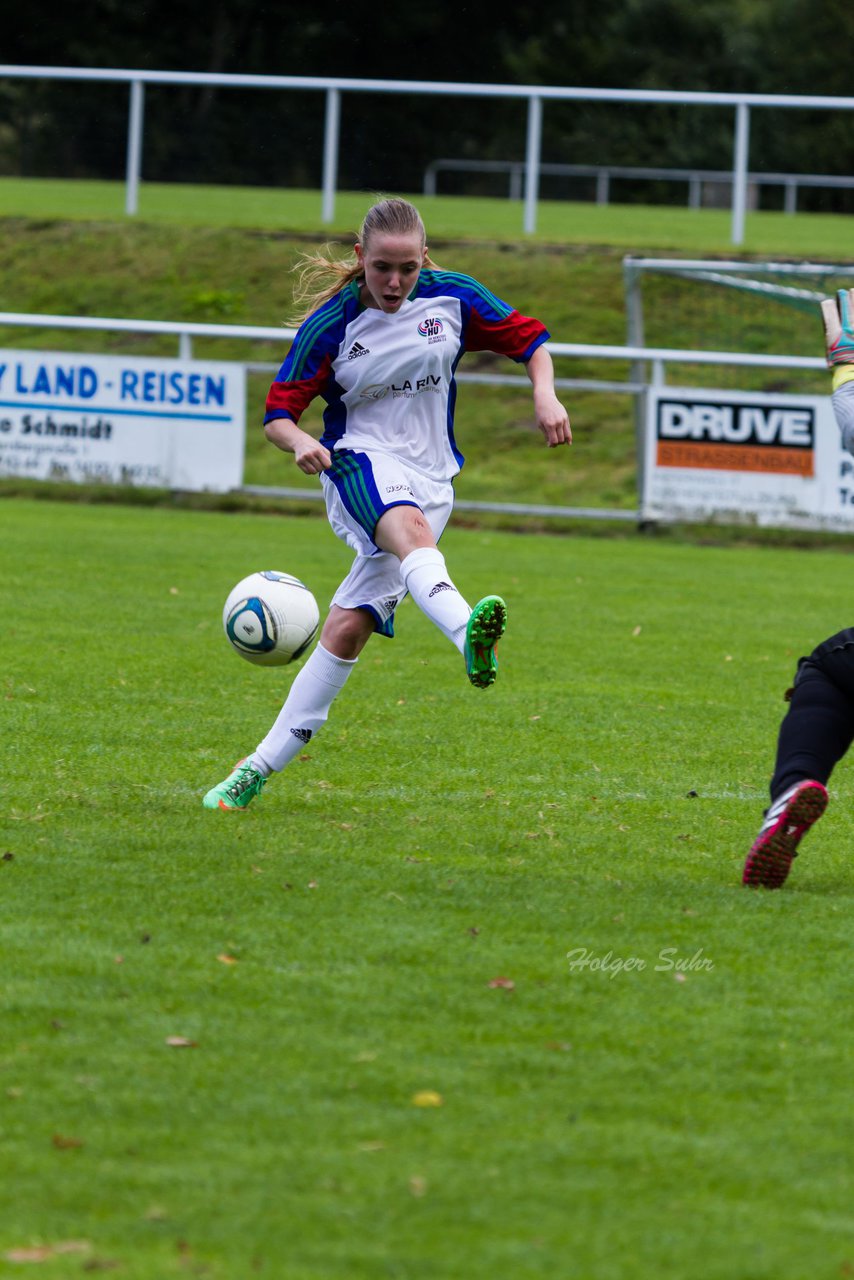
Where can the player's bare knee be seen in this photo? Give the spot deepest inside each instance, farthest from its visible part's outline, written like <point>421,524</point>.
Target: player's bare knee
<point>402,529</point>
<point>346,632</point>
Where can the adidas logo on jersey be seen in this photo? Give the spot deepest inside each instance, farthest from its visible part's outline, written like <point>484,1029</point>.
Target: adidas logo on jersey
<point>358,350</point>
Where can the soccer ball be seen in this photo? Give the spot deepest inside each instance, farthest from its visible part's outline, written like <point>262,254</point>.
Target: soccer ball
<point>270,618</point>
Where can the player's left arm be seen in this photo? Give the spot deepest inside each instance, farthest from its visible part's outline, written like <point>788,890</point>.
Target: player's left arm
<point>493,325</point>
<point>552,417</point>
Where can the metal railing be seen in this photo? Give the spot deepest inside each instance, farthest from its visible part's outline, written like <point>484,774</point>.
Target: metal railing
<point>603,174</point>
<point>186,330</point>
<point>535,96</point>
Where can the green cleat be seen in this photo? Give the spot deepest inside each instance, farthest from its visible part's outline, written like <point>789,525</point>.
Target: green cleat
<point>485,628</point>
<point>241,786</point>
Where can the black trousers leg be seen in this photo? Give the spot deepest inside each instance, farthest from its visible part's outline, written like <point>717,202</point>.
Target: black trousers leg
<point>818,728</point>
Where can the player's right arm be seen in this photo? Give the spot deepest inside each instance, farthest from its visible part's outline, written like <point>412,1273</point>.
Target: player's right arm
<point>305,374</point>
<point>309,454</point>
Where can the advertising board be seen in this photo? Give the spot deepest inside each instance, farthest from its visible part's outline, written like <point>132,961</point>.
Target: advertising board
<point>177,424</point>
<point>745,457</point>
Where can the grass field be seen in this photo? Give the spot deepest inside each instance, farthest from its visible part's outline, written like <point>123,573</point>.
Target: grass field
<point>473,989</point>
<point>477,220</point>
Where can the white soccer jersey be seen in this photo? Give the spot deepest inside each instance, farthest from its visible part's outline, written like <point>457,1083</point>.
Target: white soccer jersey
<point>388,380</point>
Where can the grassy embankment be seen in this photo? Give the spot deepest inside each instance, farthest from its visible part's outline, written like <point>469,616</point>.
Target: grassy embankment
<point>226,256</point>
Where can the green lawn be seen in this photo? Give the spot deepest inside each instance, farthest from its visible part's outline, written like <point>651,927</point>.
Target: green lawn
<point>623,226</point>
<point>389,925</point>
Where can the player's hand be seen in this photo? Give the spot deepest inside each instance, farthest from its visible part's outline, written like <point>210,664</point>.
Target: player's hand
<point>552,419</point>
<point>311,456</point>
<point>837,315</point>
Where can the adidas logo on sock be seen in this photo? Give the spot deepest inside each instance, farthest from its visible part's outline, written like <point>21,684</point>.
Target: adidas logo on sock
<point>358,350</point>
<point>440,586</point>
<point>304,735</point>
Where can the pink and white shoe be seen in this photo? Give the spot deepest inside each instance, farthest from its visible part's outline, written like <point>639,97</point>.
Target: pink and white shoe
<point>788,818</point>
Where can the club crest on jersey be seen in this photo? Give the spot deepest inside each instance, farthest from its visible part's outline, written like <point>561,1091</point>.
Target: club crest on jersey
<point>431,329</point>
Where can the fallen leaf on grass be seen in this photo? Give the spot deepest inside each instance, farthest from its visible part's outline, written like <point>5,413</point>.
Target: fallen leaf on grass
<point>42,1252</point>
<point>224,958</point>
<point>427,1098</point>
<point>181,1042</point>
<point>417,1186</point>
<point>506,984</point>
<point>63,1143</point>
<point>156,1213</point>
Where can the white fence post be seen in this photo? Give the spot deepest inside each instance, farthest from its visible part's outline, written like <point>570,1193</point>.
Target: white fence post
<point>134,148</point>
<point>330,153</point>
<point>532,161</point>
<point>739,175</point>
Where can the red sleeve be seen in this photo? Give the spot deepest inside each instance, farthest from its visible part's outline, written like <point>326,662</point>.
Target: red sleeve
<point>291,399</point>
<point>515,336</point>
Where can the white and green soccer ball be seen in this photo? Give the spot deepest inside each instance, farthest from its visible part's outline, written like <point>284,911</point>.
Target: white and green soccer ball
<point>270,618</point>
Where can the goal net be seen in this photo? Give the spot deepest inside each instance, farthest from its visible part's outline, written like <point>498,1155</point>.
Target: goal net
<point>753,307</point>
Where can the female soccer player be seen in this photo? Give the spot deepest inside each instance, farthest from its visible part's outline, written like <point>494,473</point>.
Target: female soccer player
<point>818,727</point>
<point>380,342</point>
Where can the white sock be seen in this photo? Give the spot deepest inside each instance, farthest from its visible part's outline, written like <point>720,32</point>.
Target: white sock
<point>425,577</point>
<point>306,708</point>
